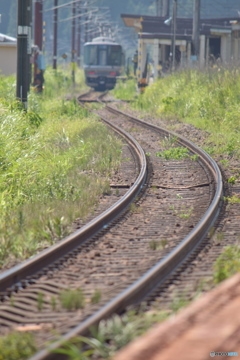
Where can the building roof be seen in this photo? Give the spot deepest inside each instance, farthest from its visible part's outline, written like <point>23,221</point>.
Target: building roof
<point>155,27</point>
<point>6,38</point>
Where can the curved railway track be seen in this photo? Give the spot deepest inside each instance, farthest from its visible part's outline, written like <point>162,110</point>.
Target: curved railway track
<point>178,203</point>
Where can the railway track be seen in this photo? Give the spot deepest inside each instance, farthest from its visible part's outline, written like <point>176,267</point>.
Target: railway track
<point>164,216</point>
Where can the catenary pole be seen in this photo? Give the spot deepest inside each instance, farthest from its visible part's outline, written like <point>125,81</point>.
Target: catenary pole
<point>79,35</point>
<point>30,22</point>
<point>86,23</point>
<point>23,49</point>
<point>55,29</point>
<point>158,7</point>
<point>73,41</point>
<point>162,7</point>
<point>196,24</point>
<point>165,8</point>
<point>174,34</point>
<point>38,29</point>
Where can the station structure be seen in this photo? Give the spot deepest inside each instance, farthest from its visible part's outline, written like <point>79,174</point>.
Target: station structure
<point>8,55</point>
<point>219,41</point>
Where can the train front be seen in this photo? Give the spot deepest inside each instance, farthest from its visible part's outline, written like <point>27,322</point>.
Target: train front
<point>103,61</point>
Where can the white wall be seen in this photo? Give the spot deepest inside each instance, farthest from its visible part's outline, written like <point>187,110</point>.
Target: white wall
<point>8,59</point>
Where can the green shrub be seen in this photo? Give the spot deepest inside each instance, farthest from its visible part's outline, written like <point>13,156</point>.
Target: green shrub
<point>51,158</point>
<point>72,299</point>
<point>173,153</point>
<point>207,99</point>
<point>227,264</point>
<point>17,346</point>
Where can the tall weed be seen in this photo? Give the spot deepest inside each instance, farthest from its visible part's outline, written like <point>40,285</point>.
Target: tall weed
<point>55,160</point>
<point>207,99</point>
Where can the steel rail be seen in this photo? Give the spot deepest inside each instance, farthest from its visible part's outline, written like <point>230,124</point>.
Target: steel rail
<point>19,273</point>
<point>165,267</point>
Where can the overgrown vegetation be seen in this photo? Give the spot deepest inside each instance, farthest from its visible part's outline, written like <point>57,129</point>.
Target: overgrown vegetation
<point>125,90</point>
<point>233,199</point>
<point>227,264</point>
<point>207,99</point>
<point>173,153</point>
<point>111,335</point>
<point>55,160</point>
<point>17,346</point>
<point>72,299</point>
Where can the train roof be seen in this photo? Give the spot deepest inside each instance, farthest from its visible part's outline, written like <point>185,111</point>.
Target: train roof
<point>101,40</point>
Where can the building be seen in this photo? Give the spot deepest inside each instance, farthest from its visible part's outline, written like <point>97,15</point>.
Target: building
<point>219,40</point>
<point>8,55</point>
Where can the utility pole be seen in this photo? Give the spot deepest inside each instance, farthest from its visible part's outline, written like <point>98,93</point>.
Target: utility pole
<point>158,7</point>
<point>73,41</point>
<point>86,24</point>
<point>55,28</point>
<point>79,35</point>
<point>162,8</point>
<point>39,63</point>
<point>196,26</point>
<point>165,8</point>
<point>38,30</point>
<point>23,49</point>
<point>30,21</point>
<point>174,34</point>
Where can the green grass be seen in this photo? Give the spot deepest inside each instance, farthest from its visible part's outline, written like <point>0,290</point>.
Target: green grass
<point>51,159</point>
<point>227,264</point>
<point>173,153</point>
<point>157,245</point>
<point>207,99</point>
<point>96,296</point>
<point>235,199</point>
<point>125,90</point>
<point>17,346</point>
<point>111,335</point>
<point>72,299</point>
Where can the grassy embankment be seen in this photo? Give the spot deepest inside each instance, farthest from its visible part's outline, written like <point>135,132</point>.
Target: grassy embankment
<point>209,100</point>
<point>55,161</point>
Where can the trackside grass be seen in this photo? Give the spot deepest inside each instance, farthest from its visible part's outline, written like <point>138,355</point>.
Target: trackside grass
<point>55,161</point>
<point>207,99</point>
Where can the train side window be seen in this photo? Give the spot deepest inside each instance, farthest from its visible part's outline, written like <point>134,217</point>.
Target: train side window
<point>90,55</point>
<point>114,55</point>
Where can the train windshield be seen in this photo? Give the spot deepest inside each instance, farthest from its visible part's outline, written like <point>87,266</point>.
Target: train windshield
<point>103,55</point>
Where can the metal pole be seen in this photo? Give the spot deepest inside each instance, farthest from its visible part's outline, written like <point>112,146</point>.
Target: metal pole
<point>38,24</point>
<point>55,28</point>
<point>30,22</point>
<point>86,24</point>
<point>165,8</point>
<point>158,7</point>
<point>196,22</point>
<point>39,65</point>
<point>174,34</point>
<point>79,35</point>
<point>23,49</point>
<point>38,29</point>
<point>73,41</point>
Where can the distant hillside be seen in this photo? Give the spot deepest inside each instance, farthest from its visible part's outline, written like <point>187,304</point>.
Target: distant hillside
<point>127,36</point>
<point>210,8</point>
